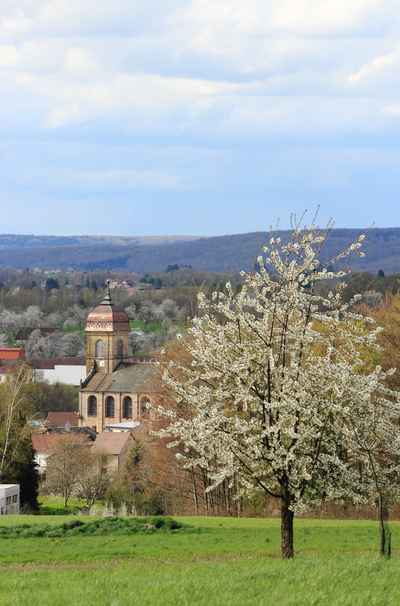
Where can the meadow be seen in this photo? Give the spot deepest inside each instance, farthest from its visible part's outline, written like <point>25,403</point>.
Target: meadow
<point>221,561</point>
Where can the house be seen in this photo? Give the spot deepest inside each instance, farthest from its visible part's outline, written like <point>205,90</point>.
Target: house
<point>116,445</point>
<point>9,499</point>
<point>9,360</point>
<point>12,353</point>
<point>117,388</point>
<point>44,443</point>
<point>60,419</point>
<point>25,332</point>
<point>127,426</point>
<point>70,371</point>
<point>86,433</point>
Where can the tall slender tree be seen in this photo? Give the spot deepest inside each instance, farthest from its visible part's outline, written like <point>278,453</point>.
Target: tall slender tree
<point>17,457</point>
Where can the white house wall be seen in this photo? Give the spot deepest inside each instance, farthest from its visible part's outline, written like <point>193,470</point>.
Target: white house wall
<point>70,375</point>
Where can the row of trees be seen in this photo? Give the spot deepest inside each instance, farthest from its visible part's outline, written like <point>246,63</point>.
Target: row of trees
<point>54,345</point>
<point>33,315</point>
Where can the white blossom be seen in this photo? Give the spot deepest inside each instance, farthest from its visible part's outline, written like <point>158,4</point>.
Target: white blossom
<point>277,386</point>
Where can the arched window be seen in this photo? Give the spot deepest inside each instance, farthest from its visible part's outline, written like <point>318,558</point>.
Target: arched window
<point>92,406</point>
<point>127,408</point>
<point>120,349</point>
<point>110,407</point>
<point>99,353</point>
<point>144,410</point>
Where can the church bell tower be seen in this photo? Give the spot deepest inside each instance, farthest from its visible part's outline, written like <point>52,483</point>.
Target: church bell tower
<point>107,330</point>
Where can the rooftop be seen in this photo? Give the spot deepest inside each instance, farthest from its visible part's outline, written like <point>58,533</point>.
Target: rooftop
<point>50,363</point>
<point>127,378</point>
<point>59,419</point>
<point>111,442</point>
<point>25,332</point>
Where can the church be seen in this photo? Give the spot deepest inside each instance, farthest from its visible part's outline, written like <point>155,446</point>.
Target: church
<point>118,388</point>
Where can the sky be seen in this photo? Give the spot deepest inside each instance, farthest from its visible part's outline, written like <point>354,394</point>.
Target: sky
<point>197,117</point>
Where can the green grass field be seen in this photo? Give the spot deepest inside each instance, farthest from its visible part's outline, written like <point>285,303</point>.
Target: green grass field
<point>225,561</point>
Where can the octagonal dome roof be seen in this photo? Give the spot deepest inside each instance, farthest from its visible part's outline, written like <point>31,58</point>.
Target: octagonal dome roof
<point>106,317</point>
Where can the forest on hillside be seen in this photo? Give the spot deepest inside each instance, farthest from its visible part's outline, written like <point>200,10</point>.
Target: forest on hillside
<point>31,241</point>
<point>219,254</point>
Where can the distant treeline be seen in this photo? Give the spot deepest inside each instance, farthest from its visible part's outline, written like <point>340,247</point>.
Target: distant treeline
<point>219,254</point>
<point>31,241</point>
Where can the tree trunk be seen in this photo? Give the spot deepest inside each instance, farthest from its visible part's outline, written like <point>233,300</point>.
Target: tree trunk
<point>383,525</point>
<point>196,505</point>
<point>287,530</point>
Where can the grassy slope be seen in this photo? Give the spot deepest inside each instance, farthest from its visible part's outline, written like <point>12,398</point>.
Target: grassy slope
<point>218,538</point>
<point>223,563</point>
<point>309,581</point>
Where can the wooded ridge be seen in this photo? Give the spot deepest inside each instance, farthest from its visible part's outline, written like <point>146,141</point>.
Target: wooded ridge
<point>220,253</point>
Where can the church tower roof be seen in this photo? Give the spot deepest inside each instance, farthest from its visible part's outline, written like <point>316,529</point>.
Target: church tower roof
<point>107,317</point>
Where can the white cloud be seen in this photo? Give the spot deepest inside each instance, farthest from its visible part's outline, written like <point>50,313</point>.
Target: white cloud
<point>66,180</point>
<point>326,17</point>
<point>205,73</point>
<point>391,110</point>
<point>377,65</point>
<point>58,18</point>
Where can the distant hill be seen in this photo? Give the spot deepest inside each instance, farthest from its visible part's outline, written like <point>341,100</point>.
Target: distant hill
<point>222,253</point>
<point>20,241</point>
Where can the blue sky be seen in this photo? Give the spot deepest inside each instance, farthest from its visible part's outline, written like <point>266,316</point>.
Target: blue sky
<point>202,117</point>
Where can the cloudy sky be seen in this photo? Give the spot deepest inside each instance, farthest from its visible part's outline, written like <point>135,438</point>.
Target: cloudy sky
<point>203,117</point>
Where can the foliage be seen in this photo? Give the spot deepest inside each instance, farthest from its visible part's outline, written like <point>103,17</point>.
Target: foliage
<point>92,480</point>
<point>54,345</point>
<point>276,389</point>
<point>100,527</point>
<point>64,465</point>
<point>52,283</point>
<point>57,510</point>
<point>58,397</point>
<point>387,315</point>
<point>17,457</point>
<point>211,254</point>
<point>74,470</point>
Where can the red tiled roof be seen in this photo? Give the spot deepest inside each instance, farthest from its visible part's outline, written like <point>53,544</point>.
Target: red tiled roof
<point>12,353</point>
<point>59,419</point>
<point>43,442</point>
<point>8,367</point>
<point>107,318</point>
<point>112,442</point>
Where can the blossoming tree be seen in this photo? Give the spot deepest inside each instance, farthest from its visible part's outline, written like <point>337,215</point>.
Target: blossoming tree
<point>275,375</point>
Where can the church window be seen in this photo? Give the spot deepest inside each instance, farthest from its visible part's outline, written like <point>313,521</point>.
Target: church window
<point>120,349</point>
<point>110,406</point>
<point>99,349</point>
<point>144,410</point>
<point>92,406</point>
<point>127,409</point>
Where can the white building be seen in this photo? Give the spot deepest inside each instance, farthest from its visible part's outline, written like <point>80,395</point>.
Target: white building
<point>9,499</point>
<point>128,426</point>
<point>71,371</point>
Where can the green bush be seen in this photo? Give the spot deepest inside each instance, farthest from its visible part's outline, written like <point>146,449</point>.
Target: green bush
<point>100,527</point>
<point>57,510</point>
